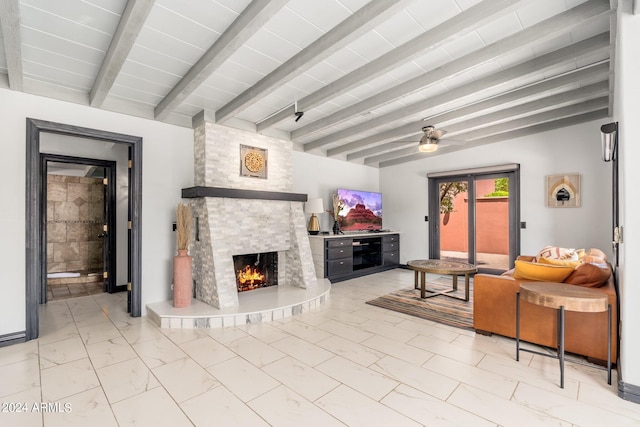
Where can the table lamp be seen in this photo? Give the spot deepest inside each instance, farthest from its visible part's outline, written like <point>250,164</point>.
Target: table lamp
<point>313,207</point>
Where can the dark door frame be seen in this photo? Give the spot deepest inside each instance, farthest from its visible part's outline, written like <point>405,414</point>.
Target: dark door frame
<point>34,214</point>
<point>470,175</point>
<point>110,202</point>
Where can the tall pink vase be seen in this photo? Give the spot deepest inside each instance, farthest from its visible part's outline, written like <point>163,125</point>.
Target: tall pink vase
<point>182,282</point>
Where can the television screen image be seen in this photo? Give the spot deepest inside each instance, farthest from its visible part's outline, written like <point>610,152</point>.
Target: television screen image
<point>362,210</point>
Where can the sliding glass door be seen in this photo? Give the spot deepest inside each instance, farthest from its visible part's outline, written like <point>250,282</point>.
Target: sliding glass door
<point>474,218</point>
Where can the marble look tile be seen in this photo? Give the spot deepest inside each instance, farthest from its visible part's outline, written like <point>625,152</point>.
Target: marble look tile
<point>302,350</point>
<point>365,380</point>
<point>88,408</point>
<point>396,349</point>
<point>207,352</point>
<point>139,330</point>
<point>181,336</point>
<point>265,332</point>
<point>355,409</point>
<point>485,380</point>
<point>430,411</point>
<point>435,384</point>
<point>109,352</point>
<point>242,378</point>
<point>219,407</point>
<point>58,331</point>
<point>27,418</point>
<point>158,351</point>
<point>151,408</point>
<point>380,314</point>
<point>184,379</point>
<point>301,378</point>
<point>500,411</point>
<point>343,316</point>
<point>352,333</point>
<point>355,352</point>
<point>311,318</point>
<point>60,352</point>
<point>519,371</point>
<point>443,348</point>
<point>126,379</point>
<point>385,329</point>
<point>100,332</point>
<point>304,331</point>
<point>20,376</point>
<point>284,407</point>
<point>429,329</point>
<point>606,396</point>
<point>18,352</point>
<point>68,379</point>
<point>576,413</point>
<point>255,351</point>
<point>226,334</point>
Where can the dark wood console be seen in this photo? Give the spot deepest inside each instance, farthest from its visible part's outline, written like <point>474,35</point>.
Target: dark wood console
<point>347,256</point>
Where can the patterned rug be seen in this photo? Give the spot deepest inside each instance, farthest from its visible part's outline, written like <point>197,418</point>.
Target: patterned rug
<point>441,309</point>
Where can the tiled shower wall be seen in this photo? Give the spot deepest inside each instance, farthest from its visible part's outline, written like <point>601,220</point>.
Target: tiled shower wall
<point>74,221</point>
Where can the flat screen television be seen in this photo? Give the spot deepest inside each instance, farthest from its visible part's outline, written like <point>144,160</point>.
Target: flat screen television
<point>362,210</point>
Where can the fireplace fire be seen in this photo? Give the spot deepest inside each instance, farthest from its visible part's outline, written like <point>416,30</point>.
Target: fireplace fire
<point>255,271</point>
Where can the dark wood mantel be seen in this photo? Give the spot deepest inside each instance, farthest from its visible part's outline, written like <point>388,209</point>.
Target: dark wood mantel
<point>233,193</point>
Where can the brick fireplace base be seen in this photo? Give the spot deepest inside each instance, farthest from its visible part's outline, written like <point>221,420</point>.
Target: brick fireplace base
<point>257,306</point>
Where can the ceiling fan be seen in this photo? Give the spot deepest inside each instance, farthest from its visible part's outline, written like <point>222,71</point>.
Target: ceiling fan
<point>431,139</point>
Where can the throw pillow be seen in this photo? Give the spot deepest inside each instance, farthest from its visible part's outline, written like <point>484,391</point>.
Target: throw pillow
<point>541,272</point>
<point>589,275</point>
<point>555,252</point>
<point>563,262</point>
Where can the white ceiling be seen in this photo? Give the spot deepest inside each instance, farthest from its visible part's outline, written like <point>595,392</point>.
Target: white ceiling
<point>364,72</point>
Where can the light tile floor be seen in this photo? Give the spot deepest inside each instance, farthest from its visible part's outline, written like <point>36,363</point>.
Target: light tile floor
<point>347,363</point>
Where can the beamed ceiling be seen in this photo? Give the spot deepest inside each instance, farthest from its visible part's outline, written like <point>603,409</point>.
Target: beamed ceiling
<point>365,73</point>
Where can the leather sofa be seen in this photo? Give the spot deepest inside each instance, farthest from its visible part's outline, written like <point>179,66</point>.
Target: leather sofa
<point>494,311</point>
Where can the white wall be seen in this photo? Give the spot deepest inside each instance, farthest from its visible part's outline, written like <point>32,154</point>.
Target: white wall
<point>575,149</point>
<point>167,168</point>
<point>321,176</point>
<point>627,112</point>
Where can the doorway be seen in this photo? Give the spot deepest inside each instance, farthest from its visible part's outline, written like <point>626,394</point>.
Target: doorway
<point>79,196</point>
<point>475,217</point>
<point>36,252</point>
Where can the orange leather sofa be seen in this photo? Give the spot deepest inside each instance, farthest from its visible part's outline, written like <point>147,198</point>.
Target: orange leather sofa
<point>494,311</point>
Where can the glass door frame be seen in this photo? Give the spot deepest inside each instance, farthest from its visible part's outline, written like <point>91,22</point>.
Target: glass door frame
<point>512,172</point>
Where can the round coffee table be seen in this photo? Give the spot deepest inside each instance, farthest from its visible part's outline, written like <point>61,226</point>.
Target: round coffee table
<point>562,296</point>
<point>440,266</point>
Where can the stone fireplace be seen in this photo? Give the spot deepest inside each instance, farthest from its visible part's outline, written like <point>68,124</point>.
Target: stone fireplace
<point>237,215</point>
<point>255,271</point>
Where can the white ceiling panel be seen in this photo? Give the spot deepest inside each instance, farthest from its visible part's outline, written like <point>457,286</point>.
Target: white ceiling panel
<point>62,46</point>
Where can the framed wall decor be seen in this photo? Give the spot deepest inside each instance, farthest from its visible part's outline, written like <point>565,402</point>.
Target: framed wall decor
<point>253,162</point>
<point>563,191</point>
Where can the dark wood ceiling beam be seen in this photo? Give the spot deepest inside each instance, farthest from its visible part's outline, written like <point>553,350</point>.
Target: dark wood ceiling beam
<point>347,31</point>
<point>10,22</point>
<point>461,24</point>
<point>561,23</point>
<point>131,23</point>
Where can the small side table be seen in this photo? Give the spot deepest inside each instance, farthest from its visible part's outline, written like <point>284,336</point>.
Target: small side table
<point>561,297</point>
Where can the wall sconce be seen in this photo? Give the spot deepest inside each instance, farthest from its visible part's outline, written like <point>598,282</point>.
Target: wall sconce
<point>609,136</point>
<point>313,207</point>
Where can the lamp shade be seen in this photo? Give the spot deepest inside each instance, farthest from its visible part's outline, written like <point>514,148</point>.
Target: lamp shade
<point>314,206</point>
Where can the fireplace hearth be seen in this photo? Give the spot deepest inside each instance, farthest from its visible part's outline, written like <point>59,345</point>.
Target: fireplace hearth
<point>255,271</point>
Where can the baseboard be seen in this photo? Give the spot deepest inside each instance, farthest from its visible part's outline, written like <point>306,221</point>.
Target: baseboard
<point>629,392</point>
<point>14,338</point>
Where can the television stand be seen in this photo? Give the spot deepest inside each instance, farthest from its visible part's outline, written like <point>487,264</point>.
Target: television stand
<point>341,257</point>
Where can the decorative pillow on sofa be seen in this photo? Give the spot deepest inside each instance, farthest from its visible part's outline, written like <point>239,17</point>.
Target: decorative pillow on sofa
<point>541,272</point>
<point>589,275</point>
<point>562,262</point>
<point>555,252</point>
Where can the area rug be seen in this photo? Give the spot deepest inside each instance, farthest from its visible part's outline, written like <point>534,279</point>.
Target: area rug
<point>441,309</point>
